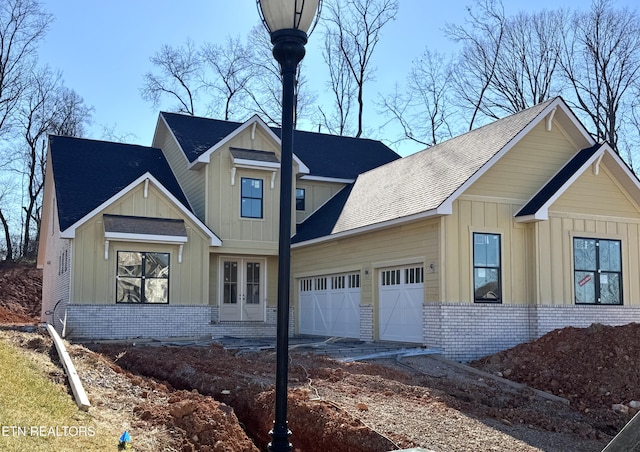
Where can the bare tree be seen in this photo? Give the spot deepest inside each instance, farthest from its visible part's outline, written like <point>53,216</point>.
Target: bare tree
<point>354,26</point>
<point>232,68</point>
<point>47,108</point>
<point>601,62</point>
<point>482,41</point>
<point>425,110</point>
<point>22,24</point>
<point>506,63</point>
<point>341,83</point>
<point>178,77</point>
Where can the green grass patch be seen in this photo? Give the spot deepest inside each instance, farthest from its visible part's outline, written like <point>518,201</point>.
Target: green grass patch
<point>38,415</point>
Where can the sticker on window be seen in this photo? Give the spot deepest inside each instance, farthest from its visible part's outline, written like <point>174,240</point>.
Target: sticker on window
<point>584,280</point>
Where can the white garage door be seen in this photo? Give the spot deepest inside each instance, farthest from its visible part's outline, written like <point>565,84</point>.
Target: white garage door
<point>330,305</point>
<point>401,297</point>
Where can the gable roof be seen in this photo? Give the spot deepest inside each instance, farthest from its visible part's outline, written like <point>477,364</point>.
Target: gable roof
<point>559,183</point>
<point>87,173</point>
<point>322,155</point>
<point>428,182</point>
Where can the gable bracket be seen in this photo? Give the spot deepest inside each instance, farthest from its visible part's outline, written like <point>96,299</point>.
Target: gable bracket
<point>596,165</point>
<point>550,119</point>
<point>233,175</point>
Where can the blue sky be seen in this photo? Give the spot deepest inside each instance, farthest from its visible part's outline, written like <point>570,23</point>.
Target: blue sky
<point>102,48</point>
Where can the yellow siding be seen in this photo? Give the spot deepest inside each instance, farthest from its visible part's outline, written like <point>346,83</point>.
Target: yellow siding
<point>555,260</point>
<point>94,277</point>
<point>596,195</point>
<point>527,166</point>
<point>417,242</point>
<point>472,215</point>
<point>191,181</point>
<point>243,235</point>
<point>593,206</point>
<point>316,194</point>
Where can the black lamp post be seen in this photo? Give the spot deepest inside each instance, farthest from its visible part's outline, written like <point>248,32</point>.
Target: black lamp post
<point>288,22</point>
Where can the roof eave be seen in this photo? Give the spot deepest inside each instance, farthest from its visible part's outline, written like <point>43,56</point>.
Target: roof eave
<point>70,232</point>
<point>433,213</point>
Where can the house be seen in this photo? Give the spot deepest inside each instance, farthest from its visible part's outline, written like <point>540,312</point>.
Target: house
<point>474,245</point>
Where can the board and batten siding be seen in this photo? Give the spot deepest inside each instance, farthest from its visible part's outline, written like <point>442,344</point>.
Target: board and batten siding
<point>484,216</point>
<point>94,277</point>
<point>415,242</point>
<point>258,236</point>
<point>594,206</point>
<point>316,193</point>
<point>191,181</point>
<point>527,166</point>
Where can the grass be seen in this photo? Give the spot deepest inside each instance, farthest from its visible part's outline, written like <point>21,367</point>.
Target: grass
<point>37,414</point>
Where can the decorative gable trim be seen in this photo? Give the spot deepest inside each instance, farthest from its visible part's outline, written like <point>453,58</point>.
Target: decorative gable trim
<point>252,122</point>
<point>70,232</point>
<point>547,114</point>
<point>537,208</point>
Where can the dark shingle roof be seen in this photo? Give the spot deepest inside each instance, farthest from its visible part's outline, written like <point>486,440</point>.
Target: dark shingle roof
<point>558,181</point>
<point>323,220</point>
<point>87,173</point>
<point>325,155</point>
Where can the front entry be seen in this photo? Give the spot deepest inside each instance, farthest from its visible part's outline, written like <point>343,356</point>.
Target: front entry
<point>242,289</point>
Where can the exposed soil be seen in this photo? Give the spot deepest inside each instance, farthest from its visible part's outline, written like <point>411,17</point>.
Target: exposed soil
<point>185,398</point>
<point>20,293</point>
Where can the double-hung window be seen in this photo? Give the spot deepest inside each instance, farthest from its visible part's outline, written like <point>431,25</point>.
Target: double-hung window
<point>597,271</point>
<point>142,277</point>
<point>487,286</point>
<point>251,198</point>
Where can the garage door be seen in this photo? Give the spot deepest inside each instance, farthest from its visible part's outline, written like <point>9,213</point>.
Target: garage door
<point>401,292</point>
<point>330,305</point>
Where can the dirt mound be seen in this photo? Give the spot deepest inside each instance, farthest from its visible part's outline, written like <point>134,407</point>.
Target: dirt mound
<point>20,293</point>
<point>593,367</point>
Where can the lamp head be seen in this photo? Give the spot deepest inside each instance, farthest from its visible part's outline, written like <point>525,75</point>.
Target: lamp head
<point>299,15</point>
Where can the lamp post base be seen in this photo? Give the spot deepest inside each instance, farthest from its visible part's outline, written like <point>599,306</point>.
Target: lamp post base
<point>280,441</point>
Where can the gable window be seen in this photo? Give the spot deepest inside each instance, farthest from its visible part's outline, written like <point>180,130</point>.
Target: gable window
<point>142,277</point>
<point>300,198</point>
<point>597,271</point>
<point>251,198</point>
<point>487,286</point>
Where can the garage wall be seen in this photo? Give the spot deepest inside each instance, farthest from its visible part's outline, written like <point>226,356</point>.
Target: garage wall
<point>410,243</point>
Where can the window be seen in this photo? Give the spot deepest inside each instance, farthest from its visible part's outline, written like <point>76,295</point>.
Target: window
<point>251,194</point>
<point>299,198</point>
<point>142,277</point>
<point>486,268</point>
<point>597,268</point>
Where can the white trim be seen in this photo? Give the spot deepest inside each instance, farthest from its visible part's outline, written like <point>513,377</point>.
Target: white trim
<point>558,102</point>
<point>205,157</point>
<point>155,133</point>
<point>373,227</point>
<point>328,179</point>
<point>543,212</point>
<point>596,165</point>
<point>550,119</point>
<point>145,238</point>
<point>255,164</point>
<point>70,232</point>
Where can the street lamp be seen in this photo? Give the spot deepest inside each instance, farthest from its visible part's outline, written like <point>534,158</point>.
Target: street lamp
<point>288,22</point>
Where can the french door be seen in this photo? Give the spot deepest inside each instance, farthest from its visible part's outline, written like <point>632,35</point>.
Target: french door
<point>242,289</point>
